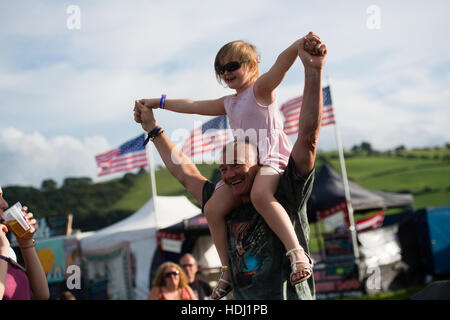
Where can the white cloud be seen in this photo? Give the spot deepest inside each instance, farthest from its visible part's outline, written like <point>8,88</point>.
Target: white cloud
<point>28,159</point>
<point>55,82</point>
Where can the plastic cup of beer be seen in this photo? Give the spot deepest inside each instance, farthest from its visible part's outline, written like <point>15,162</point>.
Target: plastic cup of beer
<point>15,218</point>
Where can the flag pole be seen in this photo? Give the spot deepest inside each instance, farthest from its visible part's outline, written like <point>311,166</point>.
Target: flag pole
<point>345,182</point>
<point>152,180</point>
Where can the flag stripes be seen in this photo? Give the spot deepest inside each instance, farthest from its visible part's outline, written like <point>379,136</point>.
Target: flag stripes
<point>128,156</point>
<point>291,112</point>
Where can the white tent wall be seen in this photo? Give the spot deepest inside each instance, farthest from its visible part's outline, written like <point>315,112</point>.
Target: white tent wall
<point>206,253</point>
<point>143,251</point>
<point>139,230</point>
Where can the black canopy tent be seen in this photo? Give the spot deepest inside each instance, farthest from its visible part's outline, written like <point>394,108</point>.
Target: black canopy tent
<point>328,190</point>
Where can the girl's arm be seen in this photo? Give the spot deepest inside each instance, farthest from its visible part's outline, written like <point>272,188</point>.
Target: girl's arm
<point>35,272</point>
<point>204,107</point>
<point>265,85</point>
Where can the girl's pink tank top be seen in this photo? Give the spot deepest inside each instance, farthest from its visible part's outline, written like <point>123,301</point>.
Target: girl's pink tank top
<point>262,124</point>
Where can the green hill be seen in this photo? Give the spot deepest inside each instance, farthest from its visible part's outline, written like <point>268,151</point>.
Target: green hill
<point>166,185</point>
<point>426,177</point>
<point>424,172</point>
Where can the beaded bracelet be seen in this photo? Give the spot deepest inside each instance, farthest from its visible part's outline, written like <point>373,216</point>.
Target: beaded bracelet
<point>162,102</point>
<point>29,246</point>
<point>156,131</point>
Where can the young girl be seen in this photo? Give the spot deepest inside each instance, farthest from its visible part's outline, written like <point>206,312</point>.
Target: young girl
<point>253,107</point>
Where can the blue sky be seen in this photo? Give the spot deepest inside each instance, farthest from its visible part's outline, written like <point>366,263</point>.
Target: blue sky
<point>67,94</point>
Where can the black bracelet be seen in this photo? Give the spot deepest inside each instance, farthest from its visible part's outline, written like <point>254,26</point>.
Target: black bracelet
<point>156,131</point>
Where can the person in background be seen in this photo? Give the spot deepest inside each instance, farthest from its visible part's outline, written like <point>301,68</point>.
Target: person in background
<point>171,284</point>
<point>17,282</point>
<point>200,287</point>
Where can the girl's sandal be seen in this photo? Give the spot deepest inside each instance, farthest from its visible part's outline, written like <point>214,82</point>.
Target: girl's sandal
<point>307,266</point>
<point>221,292</point>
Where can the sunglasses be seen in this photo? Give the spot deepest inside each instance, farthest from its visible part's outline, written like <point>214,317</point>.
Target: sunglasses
<point>230,66</point>
<point>170,274</point>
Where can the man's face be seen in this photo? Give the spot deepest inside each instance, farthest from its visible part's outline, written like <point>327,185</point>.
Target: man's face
<point>190,267</point>
<point>238,169</point>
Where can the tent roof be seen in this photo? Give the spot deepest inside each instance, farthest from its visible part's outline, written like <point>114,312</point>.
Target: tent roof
<point>328,190</point>
<point>142,224</point>
<point>196,225</point>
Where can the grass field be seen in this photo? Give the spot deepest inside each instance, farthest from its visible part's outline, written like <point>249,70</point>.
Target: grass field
<point>427,179</point>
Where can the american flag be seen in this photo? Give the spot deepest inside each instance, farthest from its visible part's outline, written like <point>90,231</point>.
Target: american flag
<point>291,112</point>
<point>128,156</point>
<point>372,222</point>
<point>210,136</point>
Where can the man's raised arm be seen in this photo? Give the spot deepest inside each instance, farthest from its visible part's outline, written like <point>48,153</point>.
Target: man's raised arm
<point>305,147</point>
<point>178,164</point>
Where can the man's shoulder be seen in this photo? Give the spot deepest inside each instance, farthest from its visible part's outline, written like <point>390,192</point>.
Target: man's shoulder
<point>291,173</point>
<point>207,192</point>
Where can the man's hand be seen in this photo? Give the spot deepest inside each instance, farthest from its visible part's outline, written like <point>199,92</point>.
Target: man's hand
<point>144,116</point>
<point>312,51</point>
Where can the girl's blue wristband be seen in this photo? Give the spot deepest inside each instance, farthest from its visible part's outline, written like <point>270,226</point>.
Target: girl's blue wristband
<point>162,102</point>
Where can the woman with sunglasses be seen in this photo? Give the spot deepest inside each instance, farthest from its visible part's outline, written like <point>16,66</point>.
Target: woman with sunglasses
<point>252,110</point>
<point>171,283</point>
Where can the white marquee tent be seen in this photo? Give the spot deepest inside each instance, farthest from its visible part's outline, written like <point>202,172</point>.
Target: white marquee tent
<point>137,234</point>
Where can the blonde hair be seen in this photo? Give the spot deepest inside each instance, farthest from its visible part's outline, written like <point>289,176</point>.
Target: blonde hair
<point>160,279</point>
<point>241,51</point>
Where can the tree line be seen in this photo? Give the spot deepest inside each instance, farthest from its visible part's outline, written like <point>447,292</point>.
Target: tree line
<point>90,203</point>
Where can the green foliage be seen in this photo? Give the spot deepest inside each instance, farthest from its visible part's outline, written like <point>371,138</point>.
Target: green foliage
<point>49,185</point>
<point>89,203</point>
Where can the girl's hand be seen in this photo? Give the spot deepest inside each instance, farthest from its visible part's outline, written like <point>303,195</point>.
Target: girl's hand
<point>4,243</point>
<point>312,51</point>
<point>33,227</point>
<point>313,45</point>
<point>144,116</point>
<point>150,103</point>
